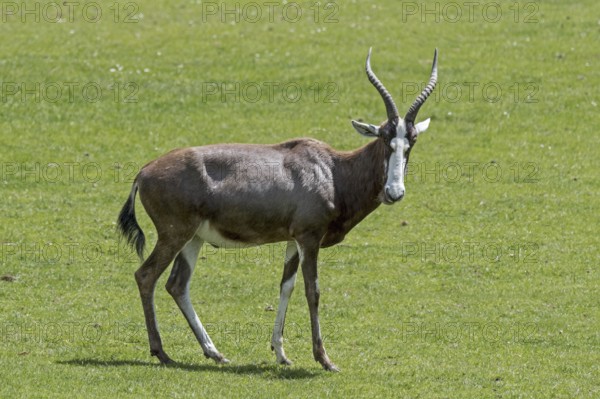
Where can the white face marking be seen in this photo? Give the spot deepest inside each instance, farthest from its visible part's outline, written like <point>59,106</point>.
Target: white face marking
<point>394,186</point>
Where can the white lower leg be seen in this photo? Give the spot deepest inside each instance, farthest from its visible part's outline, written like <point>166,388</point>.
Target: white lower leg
<point>277,340</point>
<point>206,343</point>
<point>190,253</point>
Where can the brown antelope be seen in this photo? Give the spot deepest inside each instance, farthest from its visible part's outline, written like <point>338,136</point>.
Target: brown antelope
<point>312,197</point>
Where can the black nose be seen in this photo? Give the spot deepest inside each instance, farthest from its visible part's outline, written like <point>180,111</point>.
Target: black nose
<point>391,198</point>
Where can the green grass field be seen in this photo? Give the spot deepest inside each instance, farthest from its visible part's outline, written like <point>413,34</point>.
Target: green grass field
<point>481,283</point>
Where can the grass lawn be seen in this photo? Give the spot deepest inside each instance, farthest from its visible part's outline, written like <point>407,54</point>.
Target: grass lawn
<point>481,283</point>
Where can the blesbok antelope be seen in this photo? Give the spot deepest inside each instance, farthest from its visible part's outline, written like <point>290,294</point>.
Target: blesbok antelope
<point>313,196</point>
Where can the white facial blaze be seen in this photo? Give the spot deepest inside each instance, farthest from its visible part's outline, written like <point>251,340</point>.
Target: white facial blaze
<point>396,165</point>
<point>394,185</point>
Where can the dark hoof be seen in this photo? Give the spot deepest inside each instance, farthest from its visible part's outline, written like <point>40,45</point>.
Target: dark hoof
<point>322,358</point>
<point>286,362</point>
<point>331,367</point>
<point>162,356</point>
<point>222,360</point>
<point>219,359</point>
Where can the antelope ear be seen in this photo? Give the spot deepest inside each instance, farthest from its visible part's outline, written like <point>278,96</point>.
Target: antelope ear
<point>422,126</point>
<point>366,129</point>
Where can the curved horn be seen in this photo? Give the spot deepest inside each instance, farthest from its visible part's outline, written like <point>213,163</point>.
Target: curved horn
<point>411,115</point>
<point>390,107</point>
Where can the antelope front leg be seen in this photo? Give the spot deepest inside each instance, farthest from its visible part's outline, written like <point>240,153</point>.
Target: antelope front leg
<point>308,259</point>
<point>288,281</point>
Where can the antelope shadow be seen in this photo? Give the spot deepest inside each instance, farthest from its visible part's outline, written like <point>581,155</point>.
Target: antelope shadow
<point>270,370</point>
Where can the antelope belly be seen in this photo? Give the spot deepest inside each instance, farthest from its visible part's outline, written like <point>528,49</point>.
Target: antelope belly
<point>213,237</point>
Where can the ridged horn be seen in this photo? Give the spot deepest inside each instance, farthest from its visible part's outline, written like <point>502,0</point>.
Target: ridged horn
<point>411,115</point>
<point>390,106</point>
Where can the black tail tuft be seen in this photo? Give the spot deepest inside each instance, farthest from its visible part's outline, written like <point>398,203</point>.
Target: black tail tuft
<point>128,225</point>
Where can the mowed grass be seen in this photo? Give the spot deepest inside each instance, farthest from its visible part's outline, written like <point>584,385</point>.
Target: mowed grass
<point>481,283</point>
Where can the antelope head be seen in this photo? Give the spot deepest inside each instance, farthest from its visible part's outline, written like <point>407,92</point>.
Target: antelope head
<point>399,135</point>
